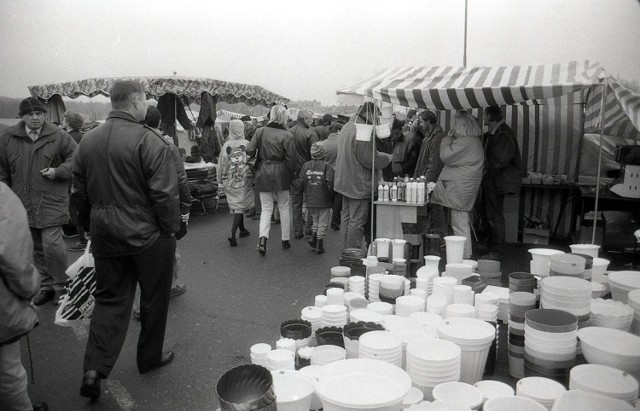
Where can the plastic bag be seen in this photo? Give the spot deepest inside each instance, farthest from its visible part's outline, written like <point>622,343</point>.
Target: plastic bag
<point>77,305</point>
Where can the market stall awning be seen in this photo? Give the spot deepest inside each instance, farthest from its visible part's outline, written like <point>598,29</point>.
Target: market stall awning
<point>621,111</point>
<point>453,88</point>
<point>186,87</point>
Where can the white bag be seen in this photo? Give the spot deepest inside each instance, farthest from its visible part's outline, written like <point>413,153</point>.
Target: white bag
<point>77,305</point>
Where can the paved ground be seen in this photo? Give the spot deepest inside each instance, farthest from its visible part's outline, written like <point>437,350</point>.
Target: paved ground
<point>234,298</point>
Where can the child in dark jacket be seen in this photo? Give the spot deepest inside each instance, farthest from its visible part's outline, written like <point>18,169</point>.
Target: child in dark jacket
<point>316,180</point>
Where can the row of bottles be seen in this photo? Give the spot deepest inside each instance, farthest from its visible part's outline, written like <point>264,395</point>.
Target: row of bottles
<point>408,190</point>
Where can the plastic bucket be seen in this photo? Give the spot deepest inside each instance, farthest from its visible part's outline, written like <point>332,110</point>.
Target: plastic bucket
<point>588,249</point>
<point>383,130</point>
<point>398,246</point>
<point>455,248</point>
<point>363,132</point>
<point>293,391</point>
<point>246,387</point>
<point>382,247</point>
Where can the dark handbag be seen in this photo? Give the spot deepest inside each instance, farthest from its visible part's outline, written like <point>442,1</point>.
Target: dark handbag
<point>254,160</point>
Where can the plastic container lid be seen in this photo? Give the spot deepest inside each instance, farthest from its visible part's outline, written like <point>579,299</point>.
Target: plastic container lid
<point>605,380</point>
<point>548,320</point>
<point>458,392</point>
<point>494,389</point>
<point>539,388</point>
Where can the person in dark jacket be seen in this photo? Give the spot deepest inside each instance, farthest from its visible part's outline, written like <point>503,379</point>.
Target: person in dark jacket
<point>35,161</point>
<point>303,138</point>
<point>323,130</point>
<point>125,185</point>
<point>502,177</point>
<point>19,283</point>
<point>316,181</point>
<point>406,149</point>
<point>73,123</point>
<point>273,148</point>
<point>331,145</point>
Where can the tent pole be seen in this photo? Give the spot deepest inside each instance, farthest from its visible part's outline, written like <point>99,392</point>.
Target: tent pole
<point>373,171</point>
<point>464,54</point>
<point>595,208</point>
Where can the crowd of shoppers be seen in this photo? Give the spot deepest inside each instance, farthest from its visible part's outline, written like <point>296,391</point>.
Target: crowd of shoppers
<point>129,193</point>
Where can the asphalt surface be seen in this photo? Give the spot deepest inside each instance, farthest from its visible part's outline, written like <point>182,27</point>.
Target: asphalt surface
<point>235,298</point>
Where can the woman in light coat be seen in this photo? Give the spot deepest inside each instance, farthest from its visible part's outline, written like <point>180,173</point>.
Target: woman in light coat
<point>459,182</point>
<point>275,163</point>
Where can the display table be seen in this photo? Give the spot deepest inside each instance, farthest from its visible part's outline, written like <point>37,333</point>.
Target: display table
<point>390,216</point>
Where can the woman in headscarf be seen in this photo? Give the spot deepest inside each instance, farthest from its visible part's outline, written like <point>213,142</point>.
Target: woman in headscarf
<point>236,178</point>
<point>275,162</point>
<point>459,181</point>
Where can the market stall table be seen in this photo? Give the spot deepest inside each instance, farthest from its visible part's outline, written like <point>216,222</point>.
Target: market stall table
<point>391,214</point>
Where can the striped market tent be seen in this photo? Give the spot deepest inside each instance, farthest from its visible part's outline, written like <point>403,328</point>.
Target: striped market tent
<point>544,104</point>
<point>622,111</point>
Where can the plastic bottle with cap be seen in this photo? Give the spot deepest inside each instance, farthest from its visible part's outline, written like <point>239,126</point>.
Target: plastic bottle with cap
<point>380,191</point>
<point>394,192</point>
<point>385,192</point>
<point>420,197</point>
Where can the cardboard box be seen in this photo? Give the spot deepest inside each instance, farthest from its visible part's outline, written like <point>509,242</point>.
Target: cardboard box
<point>535,236</point>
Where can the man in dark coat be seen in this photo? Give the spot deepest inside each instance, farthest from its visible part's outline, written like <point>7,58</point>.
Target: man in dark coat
<point>303,138</point>
<point>323,130</point>
<point>126,189</point>
<point>502,177</point>
<point>35,161</point>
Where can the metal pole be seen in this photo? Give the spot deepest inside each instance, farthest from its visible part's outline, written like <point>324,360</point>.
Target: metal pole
<point>373,170</point>
<point>464,55</point>
<point>602,117</point>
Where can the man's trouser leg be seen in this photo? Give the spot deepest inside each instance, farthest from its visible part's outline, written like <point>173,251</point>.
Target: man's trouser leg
<point>13,379</point>
<point>358,213</point>
<point>296,211</point>
<point>50,256</point>
<point>493,208</point>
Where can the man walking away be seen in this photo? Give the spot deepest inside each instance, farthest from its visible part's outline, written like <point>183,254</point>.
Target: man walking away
<point>126,190</point>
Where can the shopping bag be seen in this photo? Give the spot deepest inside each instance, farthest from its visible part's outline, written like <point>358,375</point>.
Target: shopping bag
<point>77,305</point>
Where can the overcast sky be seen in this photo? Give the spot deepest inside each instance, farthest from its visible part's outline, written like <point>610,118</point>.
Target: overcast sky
<point>303,50</point>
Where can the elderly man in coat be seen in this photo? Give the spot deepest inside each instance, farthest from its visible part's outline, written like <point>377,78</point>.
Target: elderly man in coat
<point>35,161</point>
<point>459,182</point>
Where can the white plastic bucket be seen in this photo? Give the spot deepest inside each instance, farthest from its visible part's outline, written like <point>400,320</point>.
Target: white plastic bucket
<point>363,132</point>
<point>398,247</point>
<point>587,249</point>
<point>455,248</point>
<point>383,130</point>
<point>293,391</point>
<point>382,247</point>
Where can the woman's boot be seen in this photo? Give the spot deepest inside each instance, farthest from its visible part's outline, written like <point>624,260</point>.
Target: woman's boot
<point>262,246</point>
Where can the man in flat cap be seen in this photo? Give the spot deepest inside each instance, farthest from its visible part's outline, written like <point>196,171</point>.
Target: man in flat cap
<point>35,161</point>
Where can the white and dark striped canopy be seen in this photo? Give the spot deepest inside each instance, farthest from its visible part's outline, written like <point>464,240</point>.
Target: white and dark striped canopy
<point>454,88</point>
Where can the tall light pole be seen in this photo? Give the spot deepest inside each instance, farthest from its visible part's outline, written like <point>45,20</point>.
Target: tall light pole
<point>464,55</point>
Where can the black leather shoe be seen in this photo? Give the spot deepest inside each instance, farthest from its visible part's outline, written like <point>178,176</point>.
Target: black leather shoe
<point>167,358</point>
<point>90,387</point>
<point>313,240</point>
<point>298,236</point>
<point>262,246</point>
<point>319,246</point>
<point>232,241</point>
<point>286,244</point>
<point>244,233</point>
<point>44,297</point>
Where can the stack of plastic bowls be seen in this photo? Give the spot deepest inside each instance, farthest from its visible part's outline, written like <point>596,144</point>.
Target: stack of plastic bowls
<point>550,339</point>
<point>494,389</point>
<point>570,265</point>
<point>569,294</point>
<point>325,354</point>
<point>428,321</point>
<point>397,248</point>
<point>634,302</point>
<point>432,362</point>
<point>622,282</point>
<point>611,314</point>
<point>519,281</point>
<point>604,380</point>
<point>588,249</point>
<point>259,353</point>
<point>340,271</point>
<point>335,296</point>
<point>512,404</point>
<point>356,284</point>
<point>460,310</point>
<point>246,387</point>
<point>502,294</point>
<point>519,303</point>
<point>472,263</point>
<point>417,292</point>
<point>383,249</point>
<point>298,330</point>
<point>542,390</point>
<point>444,286</point>
<point>489,268</point>
<point>540,260</point>
<point>381,345</point>
<point>281,359</point>
<point>287,344</point>
<point>463,294</point>
<point>599,269</point>
<point>458,393</point>
<point>352,333</point>
<point>366,315</point>
<point>587,401</point>
<point>437,304</point>
<point>373,287</point>
<point>380,307</point>
<point>455,248</point>
<point>362,384</point>
<point>474,337</point>
<point>407,304</point>
<point>487,306</point>
<point>330,336</point>
<point>458,271</point>
<point>334,315</point>
<point>588,266</point>
<point>320,300</point>
<point>338,282</point>
<point>312,314</point>
<point>409,333</point>
<point>608,346</point>
<point>391,287</point>
<point>293,391</point>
